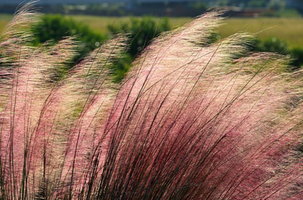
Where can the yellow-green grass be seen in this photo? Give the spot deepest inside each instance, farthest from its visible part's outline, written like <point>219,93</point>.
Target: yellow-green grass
<point>4,19</point>
<point>99,24</point>
<point>289,30</point>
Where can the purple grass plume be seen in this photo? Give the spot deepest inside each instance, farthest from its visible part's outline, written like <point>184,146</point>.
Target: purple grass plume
<point>191,120</point>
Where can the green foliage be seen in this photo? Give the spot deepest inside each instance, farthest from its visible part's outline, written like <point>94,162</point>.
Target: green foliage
<point>214,37</point>
<point>121,67</point>
<point>55,27</point>
<point>271,45</point>
<point>140,31</point>
<point>297,55</point>
<point>278,46</point>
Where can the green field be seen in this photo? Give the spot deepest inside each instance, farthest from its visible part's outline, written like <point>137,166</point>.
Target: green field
<point>289,30</point>
<point>3,20</point>
<point>99,24</point>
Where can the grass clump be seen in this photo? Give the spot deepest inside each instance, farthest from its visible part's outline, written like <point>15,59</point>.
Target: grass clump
<point>188,121</point>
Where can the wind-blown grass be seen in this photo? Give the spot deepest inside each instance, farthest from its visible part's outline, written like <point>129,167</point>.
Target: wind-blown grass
<point>192,120</point>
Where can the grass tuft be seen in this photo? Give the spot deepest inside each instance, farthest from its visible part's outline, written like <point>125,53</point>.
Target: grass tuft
<point>191,120</point>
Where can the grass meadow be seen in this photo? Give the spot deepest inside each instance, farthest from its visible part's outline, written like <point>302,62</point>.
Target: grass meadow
<point>4,19</point>
<point>289,30</point>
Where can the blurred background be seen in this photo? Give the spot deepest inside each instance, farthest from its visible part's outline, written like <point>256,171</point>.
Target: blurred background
<point>277,24</point>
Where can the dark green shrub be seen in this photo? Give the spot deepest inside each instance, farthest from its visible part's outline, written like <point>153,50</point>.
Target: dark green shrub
<point>271,45</point>
<point>121,67</point>
<point>55,27</point>
<point>278,46</point>
<point>297,55</point>
<point>141,31</point>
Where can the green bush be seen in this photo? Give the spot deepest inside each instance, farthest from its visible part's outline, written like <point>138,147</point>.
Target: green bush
<point>141,31</point>
<point>121,67</point>
<point>55,27</point>
<point>278,46</point>
<point>271,45</point>
<point>297,55</point>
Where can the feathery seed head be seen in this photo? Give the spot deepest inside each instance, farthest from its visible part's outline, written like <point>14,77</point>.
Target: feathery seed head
<point>192,120</point>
